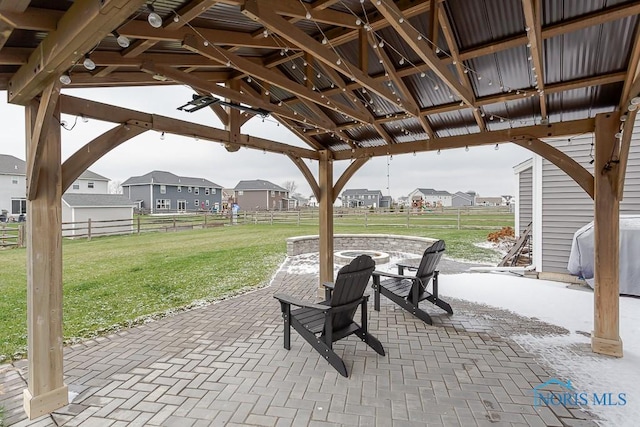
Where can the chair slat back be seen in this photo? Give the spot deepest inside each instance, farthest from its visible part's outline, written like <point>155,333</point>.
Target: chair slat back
<point>430,260</point>
<point>350,284</point>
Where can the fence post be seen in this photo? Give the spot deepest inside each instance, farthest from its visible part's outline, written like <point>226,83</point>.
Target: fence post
<point>205,219</point>
<point>174,223</point>
<point>365,219</point>
<point>298,217</point>
<point>458,219</point>
<point>408,216</point>
<point>21,236</point>
<point>89,229</point>
<point>138,220</point>
<point>271,218</point>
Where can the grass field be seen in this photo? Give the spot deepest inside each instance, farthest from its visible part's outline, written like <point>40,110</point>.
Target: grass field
<point>114,281</point>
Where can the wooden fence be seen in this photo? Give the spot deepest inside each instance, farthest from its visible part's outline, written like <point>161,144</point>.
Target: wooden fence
<point>478,218</point>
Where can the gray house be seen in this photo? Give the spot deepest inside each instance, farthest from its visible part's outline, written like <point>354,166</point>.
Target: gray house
<point>164,192</point>
<point>558,207</point>
<point>463,199</point>
<point>260,195</point>
<point>13,187</point>
<point>361,197</point>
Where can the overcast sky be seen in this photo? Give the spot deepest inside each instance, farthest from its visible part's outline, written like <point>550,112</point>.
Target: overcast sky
<point>482,169</point>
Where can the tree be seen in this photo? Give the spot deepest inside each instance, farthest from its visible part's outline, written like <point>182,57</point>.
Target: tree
<point>290,186</point>
<point>115,187</point>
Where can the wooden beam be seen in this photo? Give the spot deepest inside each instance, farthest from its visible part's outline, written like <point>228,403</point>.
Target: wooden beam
<point>46,390</point>
<point>6,28</point>
<point>605,338</point>
<point>276,24</point>
<point>447,30</point>
<point>625,146</point>
<point>325,184</point>
<point>43,125</point>
<point>483,138</point>
<point>82,27</point>
<point>565,163</point>
<point>31,18</point>
<point>94,150</point>
<point>532,13</point>
<point>269,76</point>
<point>113,114</point>
<point>308,175</point>
<point>298,10</point>
<point>402,87</point>
<point>195,82</point>
<point>410,35</point>
<point>629,89</point>
<point>433,28</point>
<point>353,167</point>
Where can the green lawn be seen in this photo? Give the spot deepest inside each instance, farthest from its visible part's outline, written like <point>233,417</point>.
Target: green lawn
<point>112,281</point>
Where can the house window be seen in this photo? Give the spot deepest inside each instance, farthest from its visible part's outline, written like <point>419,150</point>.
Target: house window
<point>196,190</point>
<point>14,179</point>
<point>213,191</point>
<point>76,186</point>
<point>179,189</point>
<point>189,189</point>
<point>206,202</point>
<point>163,189</point>
<point>182,205</point>
<point>18,206</point>
<point>89,184</point>
<point>196,204</point>
<point>163,204</point>
<point>240,193</point>
<point>273,193</point>
<point>206,191</point>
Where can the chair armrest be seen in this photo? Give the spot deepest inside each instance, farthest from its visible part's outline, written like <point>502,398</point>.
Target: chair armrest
<point>288,299</point>
<point>393,275</point>
<point>329,285</point>
<point>328,290</point>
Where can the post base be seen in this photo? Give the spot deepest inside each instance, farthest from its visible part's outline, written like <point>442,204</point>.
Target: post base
<point>45,403</point>
<point>606,346</point>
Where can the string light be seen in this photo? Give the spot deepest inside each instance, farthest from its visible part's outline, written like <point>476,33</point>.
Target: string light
<point>154,19</point>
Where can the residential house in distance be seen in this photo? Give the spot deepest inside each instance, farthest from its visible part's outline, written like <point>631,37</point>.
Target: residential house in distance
<point>363,198</point>
<point>164,192</point>
<point>404,201</point>
<point>261,195</point>
<point>428,197</point>
<point>488,201</point>
<point>313,203</point>
<point>13,176</point>
<point>463,199</point>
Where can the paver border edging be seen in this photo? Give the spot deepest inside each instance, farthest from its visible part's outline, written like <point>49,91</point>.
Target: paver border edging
<point>385,242</point>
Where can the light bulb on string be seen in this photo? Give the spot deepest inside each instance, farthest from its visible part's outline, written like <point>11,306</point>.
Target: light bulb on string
<point>154,19</point>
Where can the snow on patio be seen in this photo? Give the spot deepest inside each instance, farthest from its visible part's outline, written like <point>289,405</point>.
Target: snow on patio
<point>569,355</point>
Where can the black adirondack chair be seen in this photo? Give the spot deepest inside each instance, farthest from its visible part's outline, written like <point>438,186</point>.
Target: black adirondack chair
<point>329,321</point>
<point>409,290</point>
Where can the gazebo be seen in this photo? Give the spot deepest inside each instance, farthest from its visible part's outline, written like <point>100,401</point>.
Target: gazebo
<point>353,79</point>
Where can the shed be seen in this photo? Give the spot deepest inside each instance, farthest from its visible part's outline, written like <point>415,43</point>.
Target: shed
<point>106,214</point>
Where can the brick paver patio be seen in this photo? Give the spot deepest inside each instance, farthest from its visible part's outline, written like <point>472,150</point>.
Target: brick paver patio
<point>224,364</point>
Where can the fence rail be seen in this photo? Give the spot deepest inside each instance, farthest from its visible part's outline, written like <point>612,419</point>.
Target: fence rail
<point>468,218</point>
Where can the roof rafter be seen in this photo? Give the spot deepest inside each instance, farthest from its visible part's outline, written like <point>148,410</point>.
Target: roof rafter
<point>82,27</point>
<point>532,14</point>
<point>195,82</point>
<point>270,76</point>
<point>6,28</point>
<point>413,38</point>
<point>279,25</point>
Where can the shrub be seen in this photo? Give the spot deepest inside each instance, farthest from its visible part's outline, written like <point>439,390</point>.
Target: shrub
<point>500,235</point>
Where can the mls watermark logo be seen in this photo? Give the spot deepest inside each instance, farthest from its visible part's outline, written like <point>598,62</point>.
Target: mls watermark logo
<point>566,395</point>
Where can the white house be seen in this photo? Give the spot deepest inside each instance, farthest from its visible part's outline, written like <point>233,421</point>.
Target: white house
<point>557,206</point>
<point>13,184</point>
<point>428,197</point>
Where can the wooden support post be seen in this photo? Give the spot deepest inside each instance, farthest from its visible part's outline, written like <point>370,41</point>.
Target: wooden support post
<point>605,338</point>
<point>46,390</point>
<point>89,229</point>
<point>326,220</point>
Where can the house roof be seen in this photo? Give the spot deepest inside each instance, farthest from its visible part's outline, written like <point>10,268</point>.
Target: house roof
<point>10,165</point>
<point>78,200</point>
<point>258,185</point>
<point>432,192</point>
<point>167,178</point>
<point>359,191</point>
<point>462,195</point>
<point>492,68</point>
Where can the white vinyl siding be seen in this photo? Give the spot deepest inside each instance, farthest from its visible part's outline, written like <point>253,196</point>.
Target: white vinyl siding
<point>525,199</point>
